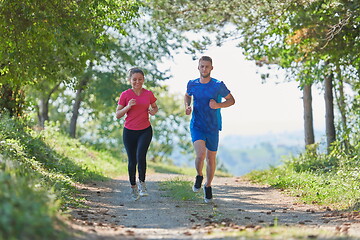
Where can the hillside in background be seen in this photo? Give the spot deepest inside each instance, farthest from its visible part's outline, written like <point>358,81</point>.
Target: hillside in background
<point>240,154</point>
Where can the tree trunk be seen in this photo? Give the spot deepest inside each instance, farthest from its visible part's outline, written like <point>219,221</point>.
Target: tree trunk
<point>76,105</point>
<point>329,111</point>
<point>341,103</point>
<point>78,99</point>
<point>43,111</point>
<point>308,115</point>
<point>43,107</point>
<point>12,100</point>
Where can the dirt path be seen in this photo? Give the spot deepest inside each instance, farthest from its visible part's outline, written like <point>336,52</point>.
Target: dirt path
<point>238,206</point>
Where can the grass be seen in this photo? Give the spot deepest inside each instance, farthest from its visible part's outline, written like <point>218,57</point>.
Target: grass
<point>178,189</point>
<point>279,233</point>
<point>339,188</point>
<point>92,164</point>
<point>39,171</point>
<point>187,171</point>
<point>38,174</point>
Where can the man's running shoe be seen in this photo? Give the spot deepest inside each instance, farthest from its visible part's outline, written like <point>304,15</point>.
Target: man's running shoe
<point>198,182</point>
<point>207,194</point>
<point>134,194</point>
<point>142,189</point>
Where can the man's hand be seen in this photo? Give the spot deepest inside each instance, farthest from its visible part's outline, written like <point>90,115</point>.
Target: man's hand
<point>188,110</point>
<point>213,104</point>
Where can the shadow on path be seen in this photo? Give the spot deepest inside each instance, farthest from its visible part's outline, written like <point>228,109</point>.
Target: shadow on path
<point>113,215</point>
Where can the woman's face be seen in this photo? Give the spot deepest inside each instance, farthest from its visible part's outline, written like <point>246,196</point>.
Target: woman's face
<point>137,80</point>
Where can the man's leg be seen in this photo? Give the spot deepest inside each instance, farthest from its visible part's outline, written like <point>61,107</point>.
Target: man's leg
<point>200,150</point>
<point>210,172</point>
<point>210,166</point>
<point>212,146</point>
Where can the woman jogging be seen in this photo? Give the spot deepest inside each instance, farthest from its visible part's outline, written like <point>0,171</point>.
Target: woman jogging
<point>137,103</point>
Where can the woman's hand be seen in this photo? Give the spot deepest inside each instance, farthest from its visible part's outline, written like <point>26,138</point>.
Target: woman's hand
<point>153,109</point>
<point>152,112</point>
<point>131,103</point>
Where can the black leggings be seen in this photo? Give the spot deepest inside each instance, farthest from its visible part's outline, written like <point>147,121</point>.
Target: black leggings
<point>136,143</point>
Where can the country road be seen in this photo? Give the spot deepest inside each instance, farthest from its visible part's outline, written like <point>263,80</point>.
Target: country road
<point>239,207</point>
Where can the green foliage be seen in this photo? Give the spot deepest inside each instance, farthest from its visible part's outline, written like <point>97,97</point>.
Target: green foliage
<point>27,211</point>
<point>311,160</point>
<point>53,43</point>
<point>38,174</point>
<point>310,40</point>
<point>145,44</point>
<point>8,93</point>
<point>39,39</point>
<point>170,126</point>
<point>317,178</point>
<point>86,163</point>
<point>30,194</point>
<point>20,140</point>
<point>160,167</point>
<point>37,182</point>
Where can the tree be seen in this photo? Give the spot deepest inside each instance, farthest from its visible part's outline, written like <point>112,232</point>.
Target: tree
<point>43,98</point>
<point>329,109</point>
<point>39,39</point>
<point>11,99</point>
<point>145,44</point>
<point>299,36</point>
<point>308,115</point>
<point>170,127</point>
<point>80,88</point>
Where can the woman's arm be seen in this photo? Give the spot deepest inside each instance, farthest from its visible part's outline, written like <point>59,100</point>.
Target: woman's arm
<point>121,110</point>
<point>154,109</point>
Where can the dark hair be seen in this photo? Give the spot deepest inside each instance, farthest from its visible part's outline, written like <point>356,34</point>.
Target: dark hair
<point>135,70</point>
<point>206,58</point>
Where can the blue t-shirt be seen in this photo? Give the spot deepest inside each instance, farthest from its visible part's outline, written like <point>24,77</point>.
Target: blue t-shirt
<point>205,118</point>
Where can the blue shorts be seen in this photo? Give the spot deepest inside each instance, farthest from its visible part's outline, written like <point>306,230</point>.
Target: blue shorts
<point>211,139</point>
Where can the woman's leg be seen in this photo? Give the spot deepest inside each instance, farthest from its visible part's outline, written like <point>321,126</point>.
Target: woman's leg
<point>142,148</point>
<point>130,143</point>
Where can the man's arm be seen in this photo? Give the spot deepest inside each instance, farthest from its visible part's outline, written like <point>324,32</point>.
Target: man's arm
<point>229,101</point>
<point>187,102</point>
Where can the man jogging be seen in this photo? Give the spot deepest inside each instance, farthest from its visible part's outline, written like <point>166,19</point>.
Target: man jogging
<point>205,123</point>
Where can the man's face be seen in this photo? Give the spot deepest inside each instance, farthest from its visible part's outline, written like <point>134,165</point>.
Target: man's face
<point>205,68</point>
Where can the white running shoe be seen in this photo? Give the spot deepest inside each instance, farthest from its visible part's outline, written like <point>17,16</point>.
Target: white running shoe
<point>142,189</point>
<point>134,194</point>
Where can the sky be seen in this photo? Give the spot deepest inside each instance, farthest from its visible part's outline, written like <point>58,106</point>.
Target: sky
<point>261,108</point>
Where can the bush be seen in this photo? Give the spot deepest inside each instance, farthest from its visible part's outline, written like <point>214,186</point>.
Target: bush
<point>322,178</point>
<point>25,211</point>
<point>38,174</point>
<point>313,161</point>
